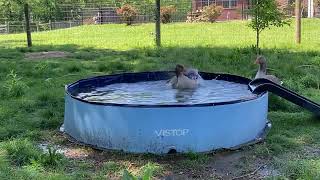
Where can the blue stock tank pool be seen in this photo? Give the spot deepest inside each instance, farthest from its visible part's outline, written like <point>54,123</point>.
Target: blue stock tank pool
<point>141,113</point>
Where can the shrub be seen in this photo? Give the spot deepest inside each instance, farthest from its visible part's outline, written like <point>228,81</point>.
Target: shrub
<point>211,13</point>
<point>14,86</point>
<point>128,13</point>
<point>166,13</point>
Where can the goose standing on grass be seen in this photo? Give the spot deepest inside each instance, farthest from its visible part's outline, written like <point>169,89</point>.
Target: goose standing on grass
<point>185,79</point>
<point>262,71</point>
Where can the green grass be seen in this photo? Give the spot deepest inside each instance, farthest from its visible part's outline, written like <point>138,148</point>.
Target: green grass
<point>32,93</point>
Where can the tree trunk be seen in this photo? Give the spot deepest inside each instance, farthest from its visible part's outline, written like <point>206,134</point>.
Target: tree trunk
<point>298,21</point>
<point>28,30</point>
<point>257,28</point>
<point>258,42</point>
<point>158,22</point>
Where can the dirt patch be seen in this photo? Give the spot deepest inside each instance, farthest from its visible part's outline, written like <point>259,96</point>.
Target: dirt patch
<point>311,151</point>
<point>46,55</point>
<point>239,164</point>
<point>268,171</point>
<point>69,152</point>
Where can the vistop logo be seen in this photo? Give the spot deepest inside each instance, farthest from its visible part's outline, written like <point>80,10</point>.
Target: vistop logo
<point>172,132</point>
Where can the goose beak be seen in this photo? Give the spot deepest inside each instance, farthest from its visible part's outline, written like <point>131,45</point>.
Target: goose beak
<point>256,62</point>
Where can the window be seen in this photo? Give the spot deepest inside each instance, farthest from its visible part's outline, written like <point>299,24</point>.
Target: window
<point>208,2</point>
<point>229,3</point>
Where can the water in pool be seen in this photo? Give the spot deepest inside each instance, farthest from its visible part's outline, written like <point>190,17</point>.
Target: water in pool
<point>159,92</point>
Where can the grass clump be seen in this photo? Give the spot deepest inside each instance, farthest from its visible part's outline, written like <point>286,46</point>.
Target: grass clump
<point>73,68</point>
<point>52,158</point>
<point>4,133</point>
<point>300,169</point>
<point>147,172</point>
<point>41,68</point>
<point>150,169</point>
<point>22,152</point>
<point>112,167</point>
<point>48,98</point>
<point>14,86</point>
<point>196,156</point>
<point>310,80</point>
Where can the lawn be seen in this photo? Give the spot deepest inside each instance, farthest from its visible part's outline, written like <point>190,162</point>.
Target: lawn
<point>32,99</point>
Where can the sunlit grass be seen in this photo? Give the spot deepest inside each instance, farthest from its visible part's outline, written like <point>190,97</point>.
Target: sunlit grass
<point>225,34</point>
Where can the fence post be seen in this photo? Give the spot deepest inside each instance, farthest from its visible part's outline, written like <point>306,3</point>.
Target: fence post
<point>298,21</point>
<point>242,11</point>
<point>158,25</point>
<point>50,25</point>
<point>28,30</point>
<point>81,16</point>
<point>37,24</point>
<point>7,27</point>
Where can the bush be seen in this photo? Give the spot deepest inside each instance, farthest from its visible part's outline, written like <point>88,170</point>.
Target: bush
<point>128,13</point>
<point>211,13</point>
<point>207,14</point>
<point>166,13</point>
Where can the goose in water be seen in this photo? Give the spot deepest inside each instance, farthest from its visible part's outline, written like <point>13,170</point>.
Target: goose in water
<point>262,71</point>
<point>185,78</point>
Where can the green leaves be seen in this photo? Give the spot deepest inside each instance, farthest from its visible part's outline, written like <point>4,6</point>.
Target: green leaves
<point>265,13</point>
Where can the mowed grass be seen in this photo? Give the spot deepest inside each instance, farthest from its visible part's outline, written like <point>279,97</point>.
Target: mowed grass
<point>32,95</point>
<point>233,34</point>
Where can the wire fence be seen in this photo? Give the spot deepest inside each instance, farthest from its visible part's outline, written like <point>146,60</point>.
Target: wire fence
<point>71,15</point>
<point>12,27</point>
<point>99,22</point>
